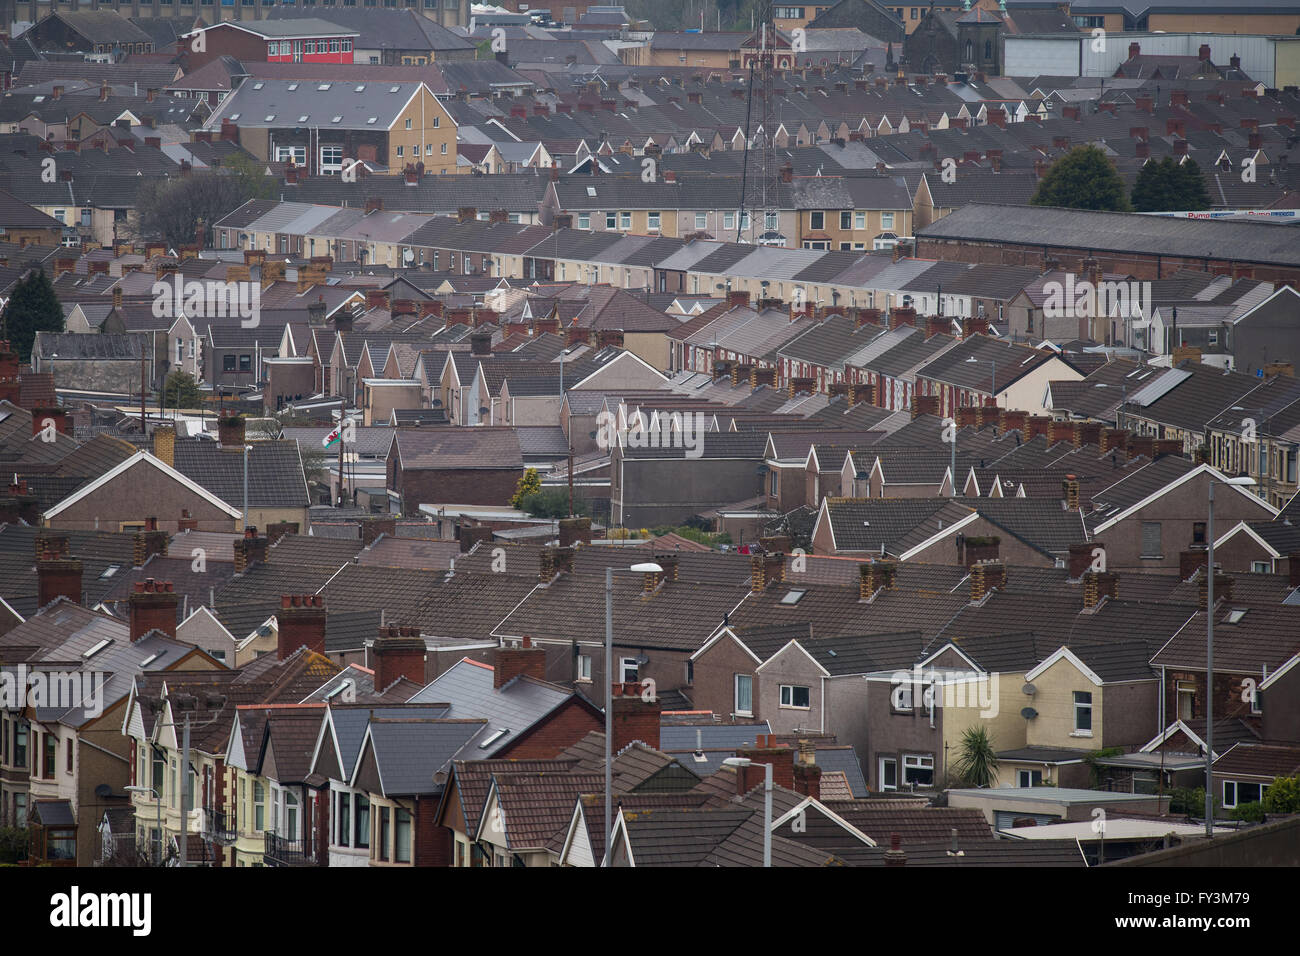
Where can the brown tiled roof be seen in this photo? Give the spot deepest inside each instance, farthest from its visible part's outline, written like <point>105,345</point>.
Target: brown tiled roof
<point>1259,760</point>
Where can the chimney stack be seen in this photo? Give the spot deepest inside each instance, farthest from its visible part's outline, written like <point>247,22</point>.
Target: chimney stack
<point>1098,585</point>
<point>57,573</point>
<point>153,608</point>
<point>765,569</point>
<point>230,432</point>
<point>764,752</point>
<point>634,718</point>
<point>985,577</point>
<point>301,620</point>
<point>807,775</point>
<point>511,662</point>
<point>399,652</point>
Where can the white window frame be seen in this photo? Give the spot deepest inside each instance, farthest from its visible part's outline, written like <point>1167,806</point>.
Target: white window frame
<point>918,762</point>
<point>735,697</point>
<point>1079,707</point>
<point>887,221</point>
<point>628,666</point>
<point>787,697</point>
<point>880,768</point>
<point>584,667</point>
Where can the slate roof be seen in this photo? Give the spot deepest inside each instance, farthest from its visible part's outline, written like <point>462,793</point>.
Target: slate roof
<point>409,752</point>
<point>457,448</point>
<point>275,476</point>
<point>516,707</point>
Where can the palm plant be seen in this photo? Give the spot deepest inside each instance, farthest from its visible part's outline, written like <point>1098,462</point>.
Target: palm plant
<point>977,762</point>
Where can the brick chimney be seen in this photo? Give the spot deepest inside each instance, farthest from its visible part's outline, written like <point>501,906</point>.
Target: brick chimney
<point>765,569</point>
<point>1222,588</point>
<point>895,856</point>
<point>469,535</point>
<point>574,531</point>
<point>765,752</point>
<point>57,573</point>
<point>230,432</point>
<point>185,522</point>
<point>1070,492</point>
<point>874,575</point>
<point>43,416</point>
<point>925,405</point>
<point>1098,585</point>
<point>148,543</point>
<point>634,718</point>
<point>511,662</point>
<point>976,549</point>
<point>1081,558</point>
<point>249,550</point>
<point>301,619</point>
<point>153,608</point>
<point>807,775</point>
<point>398,652</point>
<point>480,343</point>
<point>986,576</point>
<point>552,561</point>
<point>164,444</point>
<point>1190,562</point>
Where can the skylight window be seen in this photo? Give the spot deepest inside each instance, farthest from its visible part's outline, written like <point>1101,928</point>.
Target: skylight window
<point>591,191</point>
<point>233,117</point>
<point>292,87</point>
<point>361,88</point>
<point>394,89</point>
<point>97,648</point>
<point>792,597</point>
<point>372,121</point>
<point>493,738</point>
<point>258,86</point>
<point>269,118</point>
<point>109,572</point>
<point>337,119</point>
<point>1236,614</point>
<point>148,660</point>
<point>323,87</point>
<point>303,118</point>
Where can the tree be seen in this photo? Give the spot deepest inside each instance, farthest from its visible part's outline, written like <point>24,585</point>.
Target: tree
<point>182,391</point>
<point>529,484</point>
<point>551,503</point>
<point>1194,195</point>
<point>169,209</point>
<point>33,307</point>
<point>1283,796</point>
<point>977,761</point>
<point>1168,186</point>
<point>1083,178</point>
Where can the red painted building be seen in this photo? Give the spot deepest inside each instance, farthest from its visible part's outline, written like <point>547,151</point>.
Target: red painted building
<point>301,40</point>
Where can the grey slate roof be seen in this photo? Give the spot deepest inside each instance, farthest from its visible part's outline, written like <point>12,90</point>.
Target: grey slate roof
<point>408,753</point>
<point>515,707</point>
<point>275,476</point>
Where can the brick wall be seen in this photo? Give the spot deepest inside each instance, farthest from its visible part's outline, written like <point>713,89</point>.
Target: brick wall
<point>572,721</point>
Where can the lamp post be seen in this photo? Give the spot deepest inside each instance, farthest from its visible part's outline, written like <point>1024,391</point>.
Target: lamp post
<point>157,803</point>
<point>994,386</point>
<point>1242,481</point>
<point>648,567</point>
<point>740,763</point>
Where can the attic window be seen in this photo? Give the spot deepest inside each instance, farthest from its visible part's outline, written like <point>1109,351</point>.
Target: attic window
<point>394,89</point>
<point>258,86</point>
<point>233,117</point>
<point>97,648</point>
<point>792,597</point>
<point>292,86</point>
<point>269,118</point>
<point>346,683</point>
<point>337,119</point>
<point>1236,614</point>
<point>1028,360</point>
<point>360,89</point>
<point>493,738</point>
<point>148,660</point>
<point>591,191</point>
<point>323,87</point>
<point>372,121</point>
<point>109,572</point>
<point>303,117</point>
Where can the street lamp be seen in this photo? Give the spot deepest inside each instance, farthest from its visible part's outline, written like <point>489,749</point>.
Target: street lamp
<point>158,803</point>
<point>740,763</point>
<point>648,567</point>
<point>994,386</point>
<point>1242,481</point>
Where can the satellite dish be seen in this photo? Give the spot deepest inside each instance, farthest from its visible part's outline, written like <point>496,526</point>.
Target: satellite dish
<point>1029,690</point>
<point>1028,713</point>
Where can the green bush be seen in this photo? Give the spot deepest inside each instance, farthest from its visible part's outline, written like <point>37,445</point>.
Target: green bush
<point>1249,812</point>
<point>13,844</point>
